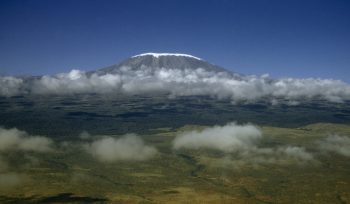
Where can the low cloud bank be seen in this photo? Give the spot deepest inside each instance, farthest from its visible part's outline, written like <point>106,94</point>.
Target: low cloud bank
<point>337,144</point>
<point>10,86</point>
<point>241,143</point>
<point>14,139</point>
<point>127,148</point>
<point>187,82</point>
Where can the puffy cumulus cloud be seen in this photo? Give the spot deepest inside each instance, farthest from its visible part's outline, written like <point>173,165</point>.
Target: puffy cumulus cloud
<point>336,143</point>
<point>296,153</point>
<point>76,82</point>
<point>180,82</point>
<point>10,86</point>
<point>241,145</point>
<point>14,139</point>
<point>228,138</point>
<point>127,148</point>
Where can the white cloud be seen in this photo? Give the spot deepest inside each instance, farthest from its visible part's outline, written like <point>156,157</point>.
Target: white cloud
<point>296,153</point>
<point>10,86</point>
<point>228,138</point>
<point>176,82</point>
<point>128,147</point>
<point>240,143</point>
<point>14,139</point>
<point>76,82</point>
<point>335,143</point>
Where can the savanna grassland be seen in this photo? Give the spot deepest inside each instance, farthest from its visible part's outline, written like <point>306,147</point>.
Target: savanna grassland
<point>296,154</point>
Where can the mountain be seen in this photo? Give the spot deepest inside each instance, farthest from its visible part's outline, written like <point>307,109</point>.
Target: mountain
<point>162,60</point>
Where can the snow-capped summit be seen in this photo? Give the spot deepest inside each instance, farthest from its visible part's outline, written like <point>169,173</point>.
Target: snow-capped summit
<point>154,61</point>
<point>157,55</point>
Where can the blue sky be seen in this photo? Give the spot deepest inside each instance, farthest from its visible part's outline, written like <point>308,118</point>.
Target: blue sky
<point>309,38</point>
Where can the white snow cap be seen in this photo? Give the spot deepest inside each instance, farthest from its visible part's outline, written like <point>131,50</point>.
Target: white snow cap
<point>166,54</point>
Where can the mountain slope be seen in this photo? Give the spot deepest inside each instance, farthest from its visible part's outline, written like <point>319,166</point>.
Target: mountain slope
<point>162,60</point>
